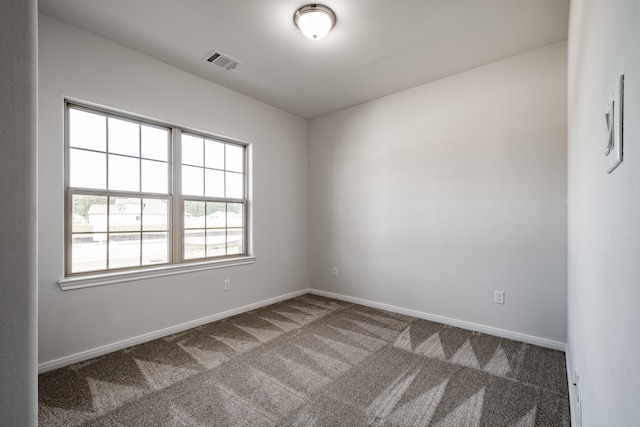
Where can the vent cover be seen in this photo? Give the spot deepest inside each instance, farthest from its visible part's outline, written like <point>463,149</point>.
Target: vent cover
<point>222,60</point>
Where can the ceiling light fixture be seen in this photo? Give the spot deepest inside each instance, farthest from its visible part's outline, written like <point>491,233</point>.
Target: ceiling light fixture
<point>314,20</point>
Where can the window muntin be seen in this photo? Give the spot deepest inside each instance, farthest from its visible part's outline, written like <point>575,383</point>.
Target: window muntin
<point>105,153</point>
<point>112,232</point>
<point>212,168</point>
<point>213,229</point>
<point>123,204</point>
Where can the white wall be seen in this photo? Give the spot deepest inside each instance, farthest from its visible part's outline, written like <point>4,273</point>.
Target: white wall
<point>80,65</point>
<point>604,214</point>
<point>18,213</point>
<point>432,198</point>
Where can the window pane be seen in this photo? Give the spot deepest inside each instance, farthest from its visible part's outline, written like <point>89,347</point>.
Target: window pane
<point>87,130</point>
<point>155,177</point>
<point>192,181</point>
<point>124,137</point>
<point>154,215</point>
<point>216,242</point>
<point>155,143</point>
<point>89,213</point>
<point>235,241</point>
<point>213,207</point>
<point>88,252</point>
<point>155,248</point>
<point>194,214</point>
<point>124,173</point>
<point>124,214</point>
<point>214,184</point>
<point>216,217</point>
<point>87,169</point>
<point>235,215</point>
<point>214,154</point>
<point>192,150</point>
<point>98,215</point>
<point>124,250</point>
<point>235,158</point>
<point>194,244</point>
<point>234,185</point>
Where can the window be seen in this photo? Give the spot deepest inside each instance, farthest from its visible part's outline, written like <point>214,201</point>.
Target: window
<point>142,194</point>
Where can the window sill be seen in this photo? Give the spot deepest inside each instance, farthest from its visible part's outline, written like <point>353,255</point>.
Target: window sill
<point>80,282</point>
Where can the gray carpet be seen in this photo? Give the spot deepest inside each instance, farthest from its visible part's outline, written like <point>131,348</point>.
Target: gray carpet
<point>314,361</point>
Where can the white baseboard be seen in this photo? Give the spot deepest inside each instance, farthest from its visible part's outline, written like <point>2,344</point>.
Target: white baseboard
<point>99,351</point>
<point>503,333</point>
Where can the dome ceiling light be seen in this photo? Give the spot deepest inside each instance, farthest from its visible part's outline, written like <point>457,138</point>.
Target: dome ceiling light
<point>314,20</point>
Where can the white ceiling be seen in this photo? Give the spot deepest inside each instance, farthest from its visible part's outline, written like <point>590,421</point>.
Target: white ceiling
<point>377,47</point>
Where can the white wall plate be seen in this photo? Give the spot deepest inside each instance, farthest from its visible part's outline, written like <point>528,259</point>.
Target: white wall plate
<point>614,121</point>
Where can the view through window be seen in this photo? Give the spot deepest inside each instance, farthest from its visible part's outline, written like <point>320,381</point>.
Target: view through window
<point>132,204</point>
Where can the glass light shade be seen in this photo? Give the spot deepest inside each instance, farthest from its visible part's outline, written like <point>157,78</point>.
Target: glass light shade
<point>315,21</point>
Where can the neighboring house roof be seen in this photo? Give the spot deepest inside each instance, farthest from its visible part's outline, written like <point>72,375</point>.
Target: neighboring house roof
<point>130,207</point>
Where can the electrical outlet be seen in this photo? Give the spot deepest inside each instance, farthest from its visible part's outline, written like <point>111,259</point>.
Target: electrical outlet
<point>334,273</point>
<point>498,297</point>
<point>614,121</point>
<point>227,284</point>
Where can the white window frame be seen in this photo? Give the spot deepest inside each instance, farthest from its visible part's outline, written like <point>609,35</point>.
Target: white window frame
<point>176,263</point>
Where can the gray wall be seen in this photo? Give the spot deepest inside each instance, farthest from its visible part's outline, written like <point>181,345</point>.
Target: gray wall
<point>18,213</point>
<point>76,64</point>
<point>432,198</point>
<point>604,214</point>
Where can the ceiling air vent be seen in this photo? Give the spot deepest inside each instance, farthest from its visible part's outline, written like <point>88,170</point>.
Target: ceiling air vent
<point>222,60</point>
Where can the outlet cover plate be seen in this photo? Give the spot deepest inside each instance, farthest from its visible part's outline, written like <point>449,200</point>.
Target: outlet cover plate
<point>614,119</point>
